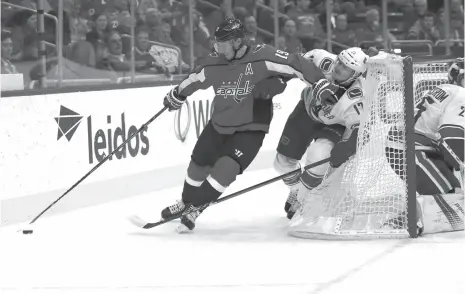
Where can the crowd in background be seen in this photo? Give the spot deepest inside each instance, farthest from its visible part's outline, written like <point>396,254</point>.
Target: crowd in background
<point>97,33</point>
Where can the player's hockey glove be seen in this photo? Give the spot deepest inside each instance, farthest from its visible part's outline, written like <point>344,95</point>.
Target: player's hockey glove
<point>345,148</point>
<point>327,93</point>
<point>173,101</point>
<point>268,88</point>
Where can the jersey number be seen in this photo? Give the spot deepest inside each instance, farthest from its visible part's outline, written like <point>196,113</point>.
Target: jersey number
<point>354,93</point>
<point>326,64</point>
<point>463,111</point>
<point>281,54</point>
<point>358,107</point>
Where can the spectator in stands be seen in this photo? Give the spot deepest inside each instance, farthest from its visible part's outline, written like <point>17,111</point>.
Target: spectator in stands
<point>76,21</point>
<point>341,33</point>
<point>288,41</point>
<point>180,31</point>
<point>457,17</point>
<point>143,7</point>
<point>81,51</point>
<point>411,16</point>
<point>98,36</point>
<point>167,9</point>
<point>115,59</point>
<point>372,30</point>
<point>265,17</point>
<point>121,5</point>
<point>424,29</point>
<point>456,27</point>
<point>30,50</point>
<point>250,26</point>
<point>144,61</point>
<point>50,25</point>
<point>112,15</point>
<point>320,8</point>
<point>7,49</point>
<point>91,8</point>
<point>159,30</point>
<point>457,11</point>
<point>309,28</point>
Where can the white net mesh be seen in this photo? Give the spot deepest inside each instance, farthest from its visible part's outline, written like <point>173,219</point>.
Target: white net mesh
<point>367,197</point>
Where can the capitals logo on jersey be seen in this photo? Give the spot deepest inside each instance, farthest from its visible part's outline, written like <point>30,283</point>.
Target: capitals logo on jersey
<point>235,89</point>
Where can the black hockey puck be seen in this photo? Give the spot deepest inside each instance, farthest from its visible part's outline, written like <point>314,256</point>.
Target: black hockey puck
<point>27,232</point>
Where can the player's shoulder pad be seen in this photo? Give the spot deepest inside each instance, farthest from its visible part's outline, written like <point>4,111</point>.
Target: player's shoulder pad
<point>268,53</point>
<point>211,59</point>
<point>452,90</point>
<point>321,58</point>
<point>261,49</point>
<point>441,93</point>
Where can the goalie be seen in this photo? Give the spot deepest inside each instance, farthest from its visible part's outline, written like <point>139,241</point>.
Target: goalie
<point>439,154</point>
<point>439,138</point>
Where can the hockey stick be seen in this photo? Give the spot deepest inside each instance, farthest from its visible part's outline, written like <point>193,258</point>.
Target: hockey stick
<point>144,126</point>
<point>137,221</point>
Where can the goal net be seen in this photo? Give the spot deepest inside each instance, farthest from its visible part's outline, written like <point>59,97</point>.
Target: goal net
<point>373,194</point>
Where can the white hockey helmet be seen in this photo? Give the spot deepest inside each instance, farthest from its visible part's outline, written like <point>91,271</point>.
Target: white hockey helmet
<point>355,59</point>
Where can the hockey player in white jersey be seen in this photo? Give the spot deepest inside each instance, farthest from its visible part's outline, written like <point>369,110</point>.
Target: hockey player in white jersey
<point>439,155</point>
<point>439,136</point>
<point>317,125</point>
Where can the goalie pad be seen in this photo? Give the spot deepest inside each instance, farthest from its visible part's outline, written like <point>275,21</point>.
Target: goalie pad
<point>441,213</point>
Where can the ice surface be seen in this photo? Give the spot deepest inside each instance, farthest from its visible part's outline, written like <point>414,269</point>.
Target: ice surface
<point>239,246</point>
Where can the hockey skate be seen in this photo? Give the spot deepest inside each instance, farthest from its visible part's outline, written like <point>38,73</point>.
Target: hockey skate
<point>291,199</point>
<point>188,219</point>
<point>173,210</point>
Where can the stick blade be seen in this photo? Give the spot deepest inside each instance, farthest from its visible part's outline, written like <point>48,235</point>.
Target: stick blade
<point>137,221</point>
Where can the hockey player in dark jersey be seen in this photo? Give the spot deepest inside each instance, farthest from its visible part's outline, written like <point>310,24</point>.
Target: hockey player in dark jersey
<point>239,73</point>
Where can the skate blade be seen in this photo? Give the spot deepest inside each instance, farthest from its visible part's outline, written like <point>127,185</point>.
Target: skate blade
<point>182,229</point>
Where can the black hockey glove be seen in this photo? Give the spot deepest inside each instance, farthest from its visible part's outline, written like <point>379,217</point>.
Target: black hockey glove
<point>327,93</point>
<point>345,148</point>
<point>172,100</point>
<point>268,88</point>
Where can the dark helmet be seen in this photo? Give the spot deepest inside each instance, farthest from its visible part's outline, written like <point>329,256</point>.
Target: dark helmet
<point>229,29</point>
<point>456,72</point>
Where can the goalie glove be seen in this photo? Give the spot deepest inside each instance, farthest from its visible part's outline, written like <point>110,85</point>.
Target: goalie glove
<point>327,93</point>
<point>268,88</point>
<point>172,100</point>
<point>345,148</point>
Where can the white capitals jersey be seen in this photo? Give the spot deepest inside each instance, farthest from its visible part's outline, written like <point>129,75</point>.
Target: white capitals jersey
<point>441,114</point>
<point>348,109</point>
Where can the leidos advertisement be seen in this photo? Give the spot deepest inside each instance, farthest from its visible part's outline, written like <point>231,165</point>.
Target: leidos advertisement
<point>49,142</point>
<point>103,138</point>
